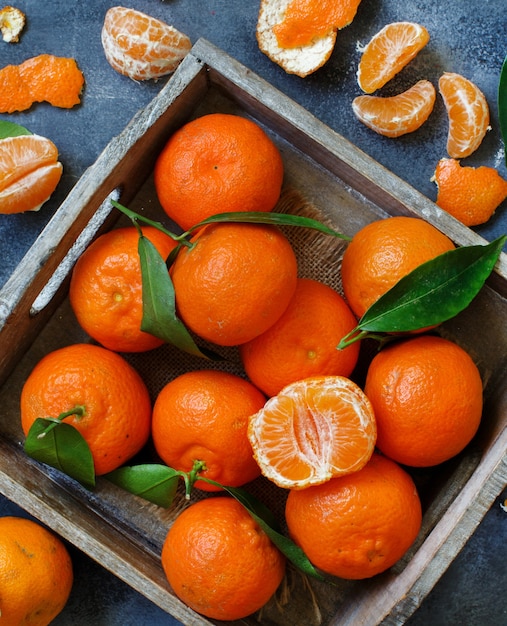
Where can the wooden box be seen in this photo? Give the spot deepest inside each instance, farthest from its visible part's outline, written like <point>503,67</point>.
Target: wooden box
<point>348,189</point>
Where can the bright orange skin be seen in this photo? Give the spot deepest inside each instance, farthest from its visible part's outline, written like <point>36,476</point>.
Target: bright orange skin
<point>106,289</point>
<point>36,573</point>
<point>219,562</point>
<point>117,419</point>
<point>397,115</point>
<point>306,20</point>
<point>203,415</point>
<point>358,525</point>
<point>235,282</point>
<point>427,396</point>
<point>43,78</point>
<point>468,114</point>
<point>303,342</point>
<point>29,172</point>
<point>217,163</point>
<point>388,52</point>
<point>384,251</point>
<point>470,194</point>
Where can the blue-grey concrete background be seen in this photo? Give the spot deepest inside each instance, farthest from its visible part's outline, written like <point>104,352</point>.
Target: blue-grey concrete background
<point>467,36</point>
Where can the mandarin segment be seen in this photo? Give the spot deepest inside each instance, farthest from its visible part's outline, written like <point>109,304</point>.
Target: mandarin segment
<point>314,429</point>
<point>397,115</point>
<point>388,52</point>
<point>36,573</point>
<point>468,114</point>
<point>219,561</point>
<point>470,194</point>
<point>140,46</point>
<point>359,525</point>
<point>304,21</point>
<point>427,396</point>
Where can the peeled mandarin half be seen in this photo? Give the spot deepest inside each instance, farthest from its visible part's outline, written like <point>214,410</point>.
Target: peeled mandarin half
<point>470,194</point>
<point>468,114</point>
<point>396,115</point>
<point>29,172</point>
<point>388,52</point>
<point>140,46</point>
<point>314,429</point>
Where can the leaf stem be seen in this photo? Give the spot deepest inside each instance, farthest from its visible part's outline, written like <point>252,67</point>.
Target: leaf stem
<point>79,410</point>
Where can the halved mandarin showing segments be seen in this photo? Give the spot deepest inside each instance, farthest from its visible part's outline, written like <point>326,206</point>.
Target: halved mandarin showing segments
<point>304,21</point>
<point>312,430</point>
<point>468,114</point>
<point>396,115</point>
<point>388,52</point>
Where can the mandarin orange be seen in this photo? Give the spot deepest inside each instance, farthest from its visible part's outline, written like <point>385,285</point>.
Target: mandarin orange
<point>29,172</point>
<point>359,525</point>
<point>217,163</point>
<point>468,114</point>
<point>388,52</point>
<point>426,392</point>
<point>36,574</point>
<point>302,343</point>
<point>314,429</point>
<point>219,562</point>
<point>234,282</point>
<point>397,115</point>
<point>117,407</point>
<point>140,46</point>
<point>384,251</point>
<point>106,289</point>
<point>470,194</point>
<point>203,415</point>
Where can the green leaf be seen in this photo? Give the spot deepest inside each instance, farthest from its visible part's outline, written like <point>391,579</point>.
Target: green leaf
<point>434,292</point>
<point>276,219</point>
<point>159,302</point>
<point>502,105</point>
<point>10,129</point>
<point>153,482</point>
<point>266,520</point>
<point>63,447</point>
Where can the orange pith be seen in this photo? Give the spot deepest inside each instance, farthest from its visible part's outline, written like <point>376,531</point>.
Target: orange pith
<point>106,292</point>
<point>203,415</point>
<point>470,194</point>
<point>427,396</point>
<point>388,52</point>
<point>235,282</point>
<point>468,114</point>
<point>117,419</point>
<point>358,525</point>
<point>29,172</point>
<point>217,163</point>
<point>303,341</point>
<point>140,46</point>
<point>396,115</point>
<point>36,574</point>
<point>219,561</point>
<point>312,430</point>
<point>43,78</point>
<point>307,20</point>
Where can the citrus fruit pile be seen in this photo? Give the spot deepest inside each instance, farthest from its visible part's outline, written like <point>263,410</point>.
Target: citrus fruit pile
<point>295,414</point>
